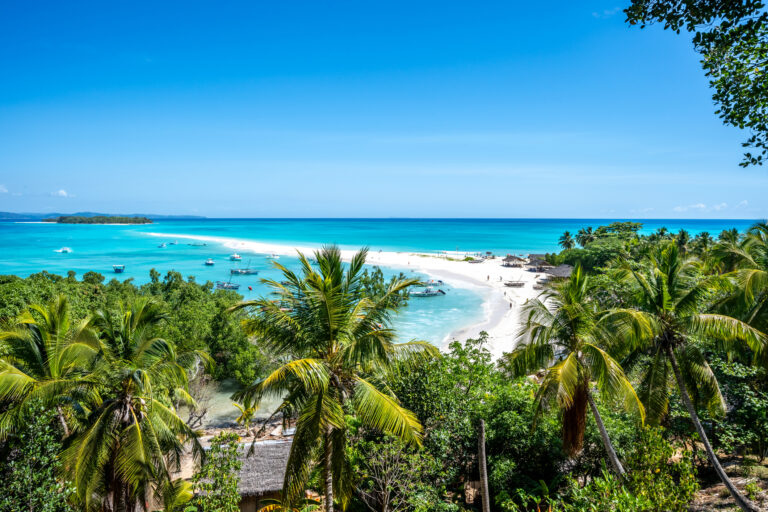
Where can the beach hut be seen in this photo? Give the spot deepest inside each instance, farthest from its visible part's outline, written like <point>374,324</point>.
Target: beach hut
<point>512,261</point>
<point>538,265</point>
<point>262,472</point>
<point>560,271</point>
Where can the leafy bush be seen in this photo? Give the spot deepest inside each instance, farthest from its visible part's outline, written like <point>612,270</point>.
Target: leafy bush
<point>216,481</point>
<point>29,468</point>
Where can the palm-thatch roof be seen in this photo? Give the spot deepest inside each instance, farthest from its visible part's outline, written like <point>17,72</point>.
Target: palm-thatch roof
<point>511,258</point>
<point>562,271</point>
<point>263,471</point>
<point>539,263</point>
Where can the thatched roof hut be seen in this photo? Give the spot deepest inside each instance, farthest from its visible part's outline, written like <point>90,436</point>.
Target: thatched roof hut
<point>511,260</point>
<point>560,271</point>
<point>263,471</point>
<point>539,264</point>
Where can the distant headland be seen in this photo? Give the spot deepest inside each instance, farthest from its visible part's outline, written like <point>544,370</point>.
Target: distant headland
<point>53,217</point>
<point>98,219</point>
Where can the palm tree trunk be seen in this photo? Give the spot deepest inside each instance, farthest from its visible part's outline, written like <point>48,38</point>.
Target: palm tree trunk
<point>612,457</point>
<point>741,500</point>
<point>62,420</point>
<point>483,469</point>
<point>328,472</point>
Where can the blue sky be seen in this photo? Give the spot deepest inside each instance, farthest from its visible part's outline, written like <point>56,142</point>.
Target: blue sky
<point>360,109</point>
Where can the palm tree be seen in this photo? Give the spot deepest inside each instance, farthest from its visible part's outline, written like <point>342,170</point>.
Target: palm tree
<point>132,438</point>
<point>669,299</point>
<point>703,242</point>
<point>585,236</point>
<point>339,345</point>
<point>563,334</point>
<point>748,261</point>
<point>566,241</point>
<point>45,358</point>
<point>682,239</point>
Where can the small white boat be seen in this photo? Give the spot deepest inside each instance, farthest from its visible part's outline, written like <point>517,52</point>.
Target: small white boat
<point>274,256</point>
<point>63,250</point>
<point>162,245</point>
<point>118,269</point>
<point>235,257</point>
<point>226,285</point>
<point>210,262</point>
<point>428,292</point>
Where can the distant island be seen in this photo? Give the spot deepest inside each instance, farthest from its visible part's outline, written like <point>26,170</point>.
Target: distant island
<point>51,216</point>
<point>98,219</point>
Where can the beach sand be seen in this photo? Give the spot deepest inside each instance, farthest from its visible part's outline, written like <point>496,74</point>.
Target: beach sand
<point>501,303</point>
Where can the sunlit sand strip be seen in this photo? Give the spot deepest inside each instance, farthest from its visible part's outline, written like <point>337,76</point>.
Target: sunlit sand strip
<point>501,304</point>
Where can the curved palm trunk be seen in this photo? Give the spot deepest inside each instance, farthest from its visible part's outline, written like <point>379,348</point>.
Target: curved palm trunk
<point>62,420</point>
<point>612,457</point>
<point>328,472</point>
<point>740,499</point>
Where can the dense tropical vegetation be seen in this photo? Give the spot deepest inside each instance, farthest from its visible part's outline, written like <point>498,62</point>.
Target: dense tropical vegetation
<point>632,382</point>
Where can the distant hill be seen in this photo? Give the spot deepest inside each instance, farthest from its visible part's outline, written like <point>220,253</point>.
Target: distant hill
<point>98,219</point>
<point>30,217</point>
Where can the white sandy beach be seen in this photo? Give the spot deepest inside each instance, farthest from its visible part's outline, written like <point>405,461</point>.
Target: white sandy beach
<point>501,304</point>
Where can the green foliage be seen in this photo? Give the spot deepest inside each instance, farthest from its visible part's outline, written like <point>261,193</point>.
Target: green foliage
<point>217,480</point>
<point>30,467</point>
<point>337,345</point>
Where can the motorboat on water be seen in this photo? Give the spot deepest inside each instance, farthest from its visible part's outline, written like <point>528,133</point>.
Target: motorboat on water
<point>175,242</point>
<point>274,256</point>
<point>162,245</point>
<point>63,250</point>
<point>235,257</point>
<point>432,283</point>
<point>243,271</point>
<point>197,244</point>
<point>247,271</point>
<point>118,269</point>
<point>226,285</point>
<point>428,292</point>
<point>210,262</point>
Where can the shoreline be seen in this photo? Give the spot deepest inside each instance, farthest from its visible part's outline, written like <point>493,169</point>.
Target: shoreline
<point>501,304</point>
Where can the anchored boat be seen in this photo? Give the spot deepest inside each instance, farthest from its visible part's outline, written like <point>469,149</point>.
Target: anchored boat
<point>118,269</point>
<point>226,285</point>
<point>210,262</point>
<point>235,257</point>
<point>428,292</point>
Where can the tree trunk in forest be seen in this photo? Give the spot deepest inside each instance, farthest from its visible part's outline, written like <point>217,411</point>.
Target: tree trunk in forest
<point>328,472</point>
<point>483,469</point>
<point>612,457</point>
<point>741,500</point>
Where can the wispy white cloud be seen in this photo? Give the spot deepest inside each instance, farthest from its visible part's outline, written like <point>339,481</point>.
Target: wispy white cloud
<point>696,206</point>
<point>606,13</point>
<point>721,206</point>
<point>61,193</point>
<point>742,204</point>
<point>3,190</point>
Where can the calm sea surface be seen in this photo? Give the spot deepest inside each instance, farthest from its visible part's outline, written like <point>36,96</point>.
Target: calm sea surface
<point>26,248</point>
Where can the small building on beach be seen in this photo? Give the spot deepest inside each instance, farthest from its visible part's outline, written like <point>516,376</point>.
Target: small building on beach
<point>512,261</point>
<point>262,472</point>
<point>560,271</point>
<point>538,265</point>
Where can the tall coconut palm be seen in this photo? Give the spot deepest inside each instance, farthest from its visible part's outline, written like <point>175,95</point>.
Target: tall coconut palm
<point>563,335</point>
<point>585,236</point>
<point>132,437</point>
<point>566,241</point>
<point>748,261</point>
<point>669,303</point>
<point>45,358</point>
<point>682,239</point>
<point>339,344</point>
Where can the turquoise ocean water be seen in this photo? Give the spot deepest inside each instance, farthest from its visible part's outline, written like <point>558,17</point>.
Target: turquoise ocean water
<point>26,248</point>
